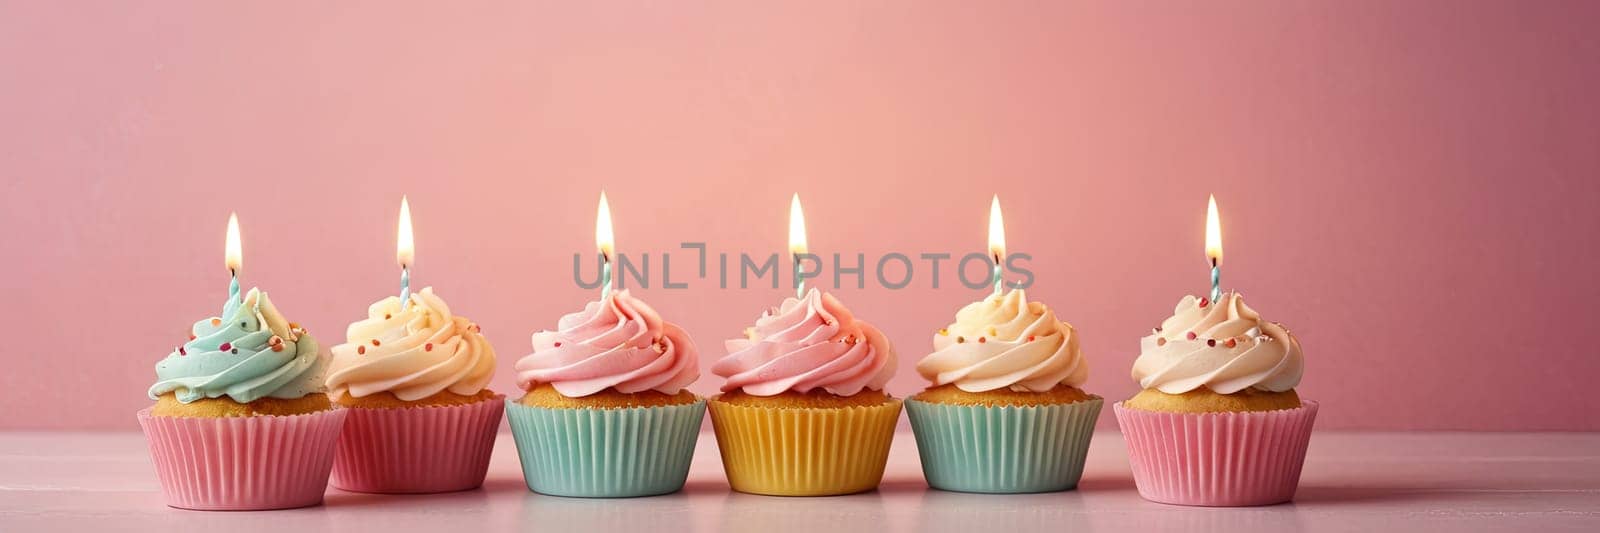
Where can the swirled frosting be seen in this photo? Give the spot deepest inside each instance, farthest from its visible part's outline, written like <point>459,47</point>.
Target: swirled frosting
<point>1224,346</point>
<point>804,344</point>
<point>414,352</point>
<point>619,343</point>
<point>248,353</point>
<point>1005,341</point>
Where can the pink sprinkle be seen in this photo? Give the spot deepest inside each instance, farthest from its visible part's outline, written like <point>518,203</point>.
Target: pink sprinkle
<point>225,346</point>
<point>181,351</point>
<point>558,344</point>
<point>1204,302</point>
<point>427,347</point>
<point>1190,335</point>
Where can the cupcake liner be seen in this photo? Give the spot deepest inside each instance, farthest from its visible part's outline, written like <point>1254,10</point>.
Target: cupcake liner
<point>417,450</point>
<point>1217,459</point>
<point>606,453</point>
<point>1003,450</point>
<point>804,452</point>
<point>243,463</point>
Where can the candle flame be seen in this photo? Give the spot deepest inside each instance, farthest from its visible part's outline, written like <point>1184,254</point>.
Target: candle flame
<point>997,231</point>
<point>405,250</point>
<point>797,227</point>
<point>604,239</point>
<point>233,256</point>
<point>1213,233</point>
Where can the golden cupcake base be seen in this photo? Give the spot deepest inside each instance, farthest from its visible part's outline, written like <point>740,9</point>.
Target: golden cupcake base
<point>224,407</point>
<point>387,400</point>
<point>1203,400</point>
<point>952,395</point>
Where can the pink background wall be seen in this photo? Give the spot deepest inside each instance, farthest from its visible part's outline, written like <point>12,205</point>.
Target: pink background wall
<point>1411,186</point>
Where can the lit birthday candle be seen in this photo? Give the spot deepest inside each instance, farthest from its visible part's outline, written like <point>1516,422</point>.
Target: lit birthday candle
<point>604,240</point>
<point>405,249</point>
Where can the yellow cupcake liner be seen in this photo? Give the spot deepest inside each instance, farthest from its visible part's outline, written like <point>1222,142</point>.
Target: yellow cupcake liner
<point>804,452</point>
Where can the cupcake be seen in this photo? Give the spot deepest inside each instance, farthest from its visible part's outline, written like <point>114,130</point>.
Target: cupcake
<point>803,412</point>
<point>1218,422</point>
<point>414,379</point>
<point>1004,413</point>
<point>240,420</point>
<point>606,414</point>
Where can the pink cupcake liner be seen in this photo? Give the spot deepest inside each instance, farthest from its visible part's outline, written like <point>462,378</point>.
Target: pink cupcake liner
<point>417,450</point>
<point>1217,459</point>
<point>243,463</point>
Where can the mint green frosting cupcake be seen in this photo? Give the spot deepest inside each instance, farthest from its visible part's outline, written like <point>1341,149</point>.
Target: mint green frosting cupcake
<point>248,353</point>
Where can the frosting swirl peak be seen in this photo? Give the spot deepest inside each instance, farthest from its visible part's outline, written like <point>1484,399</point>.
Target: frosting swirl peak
<point>248,353</point>
<point>619,343</point>
<point>1005,341</point>
<point>1224,346</point>
<point>413,352</point>
<point>804,344</point>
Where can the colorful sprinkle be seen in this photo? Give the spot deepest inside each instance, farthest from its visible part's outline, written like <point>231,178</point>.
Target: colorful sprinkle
<point>558,344</point>
<point>235,351</point>
<point>225,346</point>
<point>944,332</point>
<point>293,325</point>
<point>277,347</point>
<point>1030,338</point>
<point>181,351</point>
<point>1204,302</point>
<point>1231,343</point>
<point>992,332</point>
<point>216,322</point>
<point>429,347</point>
<point>1162,341</point>
<point>1211,342</point>
<point>362,350</point>
<point>960,339</point>
<point>386,316</point>
<point>1190,335</point>
<point>982,340</point>
<point>375,342</point>
<point>191,336</point>
<point>274,341</point>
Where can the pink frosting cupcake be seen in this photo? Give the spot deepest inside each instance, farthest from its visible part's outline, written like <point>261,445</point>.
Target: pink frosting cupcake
<point>606,414</point>
<point>803,412</point>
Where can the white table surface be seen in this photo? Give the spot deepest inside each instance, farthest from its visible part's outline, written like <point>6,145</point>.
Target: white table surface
<point>1352,482</point>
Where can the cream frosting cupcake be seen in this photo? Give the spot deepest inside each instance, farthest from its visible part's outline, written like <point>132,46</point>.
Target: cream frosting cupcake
<point>1004,412</point>
<point>414,376</point>
<point>1217,357</point>
<point>606,412</point>
<point>1219,422</point>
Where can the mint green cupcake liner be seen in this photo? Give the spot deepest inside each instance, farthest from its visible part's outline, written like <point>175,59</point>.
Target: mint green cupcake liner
<point>605,453</point>
<point>1003,450</point>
